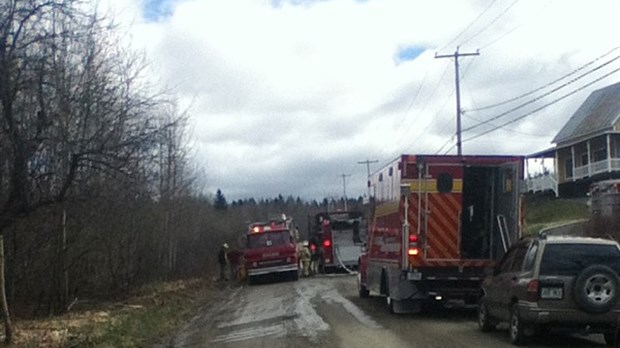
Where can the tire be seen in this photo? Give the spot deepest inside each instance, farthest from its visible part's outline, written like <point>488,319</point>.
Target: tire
<point>485,322</point>
<point>596,289</point>
<point>362,289</point>
<point>295,275</point>
<point>516,327</point>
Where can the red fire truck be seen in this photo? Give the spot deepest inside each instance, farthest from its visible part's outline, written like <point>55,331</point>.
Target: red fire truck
<point>340,236</point>
<point>438,226</point>
<point>270,248</point>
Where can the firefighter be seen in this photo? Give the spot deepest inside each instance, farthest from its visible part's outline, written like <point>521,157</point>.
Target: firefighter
<point>305,259</point>
<point>315,258</point>
<point>222,259</point>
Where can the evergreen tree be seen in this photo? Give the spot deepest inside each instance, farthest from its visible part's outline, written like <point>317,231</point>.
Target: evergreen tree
<point>220,201</point>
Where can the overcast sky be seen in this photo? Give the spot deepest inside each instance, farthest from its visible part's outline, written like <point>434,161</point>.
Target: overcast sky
<point>287,96</point>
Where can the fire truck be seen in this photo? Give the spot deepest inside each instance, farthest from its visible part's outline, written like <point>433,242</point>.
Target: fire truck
<point>271,249</point>
<point>438,225</point>
<point>340,237</point>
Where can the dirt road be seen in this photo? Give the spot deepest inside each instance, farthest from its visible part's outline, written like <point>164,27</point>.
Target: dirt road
<point>326,312</point>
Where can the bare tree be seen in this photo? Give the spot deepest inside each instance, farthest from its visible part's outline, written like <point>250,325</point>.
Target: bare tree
<point>75,110</point>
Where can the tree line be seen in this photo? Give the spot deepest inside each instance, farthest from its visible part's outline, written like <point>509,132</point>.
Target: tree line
<point>98,194</point>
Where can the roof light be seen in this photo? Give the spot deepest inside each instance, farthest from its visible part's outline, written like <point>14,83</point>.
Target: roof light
<point>256,229</point>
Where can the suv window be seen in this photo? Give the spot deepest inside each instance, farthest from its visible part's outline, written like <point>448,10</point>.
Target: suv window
<point>513,259</point>
<point>517,263</point>
<point>504,265</point>
<point>530,258</point>
<point>570,259</point>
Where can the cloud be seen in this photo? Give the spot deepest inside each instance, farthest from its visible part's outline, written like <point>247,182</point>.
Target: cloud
<point>288,95</point>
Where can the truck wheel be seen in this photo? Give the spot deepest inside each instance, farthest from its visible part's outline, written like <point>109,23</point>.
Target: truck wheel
<point>362,289</point>
<point>596,289</point>
<point>295,275</point>
<point>516,327</point>
<point>485,322</point>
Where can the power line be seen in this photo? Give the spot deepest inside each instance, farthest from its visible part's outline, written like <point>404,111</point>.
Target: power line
<point>542,95</point>
<point>546,85</point>
<point>542,107</point>
<point>511,30</point>
<point>512,130</point>
<point>408,127</point>
<point>469,26</point>
<point>490,24</point>
<point>445,144</point>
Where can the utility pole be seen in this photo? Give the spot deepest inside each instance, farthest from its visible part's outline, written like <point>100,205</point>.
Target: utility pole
<point>367,163</point>
<point>456,56</point>
<point>344,188</point>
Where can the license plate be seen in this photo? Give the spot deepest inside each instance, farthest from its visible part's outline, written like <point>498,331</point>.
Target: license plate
<point>552,293</point>
<point>414,276</point>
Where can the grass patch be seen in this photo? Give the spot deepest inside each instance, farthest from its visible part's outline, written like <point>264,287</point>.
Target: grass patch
<point>144,319</point>
<point>543,212</point>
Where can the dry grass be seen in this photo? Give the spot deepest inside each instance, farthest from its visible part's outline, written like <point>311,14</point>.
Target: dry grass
<point>153,312</point>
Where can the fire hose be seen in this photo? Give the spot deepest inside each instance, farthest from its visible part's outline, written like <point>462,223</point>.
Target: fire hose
<point>336,254</point>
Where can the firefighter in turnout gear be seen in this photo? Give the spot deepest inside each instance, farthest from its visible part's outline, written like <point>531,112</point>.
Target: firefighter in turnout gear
<point>305,256</point>
<point>222,259</point>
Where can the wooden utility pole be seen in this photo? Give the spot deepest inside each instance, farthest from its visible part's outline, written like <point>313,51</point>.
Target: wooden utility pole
<point>367,163</point>
<point>344,188</point>
<point>456,56</point>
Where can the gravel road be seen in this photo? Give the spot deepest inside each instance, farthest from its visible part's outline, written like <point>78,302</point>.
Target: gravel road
<point>326,312</point>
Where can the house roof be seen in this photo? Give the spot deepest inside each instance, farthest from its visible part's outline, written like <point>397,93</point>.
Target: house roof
<point>598,113</point>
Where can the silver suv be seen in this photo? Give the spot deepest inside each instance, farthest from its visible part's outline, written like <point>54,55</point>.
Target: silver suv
<point>568,283</point>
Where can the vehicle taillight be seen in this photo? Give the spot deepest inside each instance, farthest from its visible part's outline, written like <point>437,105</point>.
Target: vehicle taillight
<point>327,243</point>
<point>413,238</point>
<point>532,290</point>
<point>413,251</point>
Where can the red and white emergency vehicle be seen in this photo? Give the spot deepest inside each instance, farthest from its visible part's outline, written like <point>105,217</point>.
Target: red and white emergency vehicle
<point>340,237</point>
<point>438,226</point>
<point>271,248</point>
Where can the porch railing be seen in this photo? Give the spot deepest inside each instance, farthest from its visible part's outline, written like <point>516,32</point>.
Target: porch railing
<point>596,168</point>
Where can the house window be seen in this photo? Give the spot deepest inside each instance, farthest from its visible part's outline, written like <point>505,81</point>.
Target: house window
<point>600,155</point>
<point>584,159</point>
<point>568,167</point>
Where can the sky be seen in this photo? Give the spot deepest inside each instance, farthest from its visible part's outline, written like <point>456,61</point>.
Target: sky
<point>287,96</point>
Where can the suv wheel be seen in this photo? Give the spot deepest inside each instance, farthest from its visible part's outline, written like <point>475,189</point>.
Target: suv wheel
<point>596,289</point>
<point>485,322</point>
<point>516,327</point>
